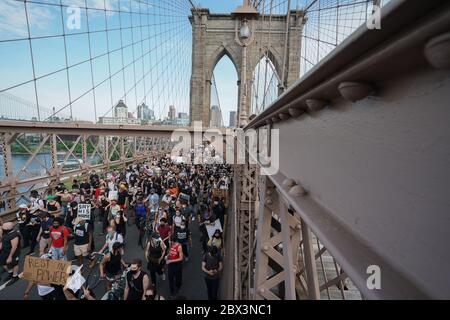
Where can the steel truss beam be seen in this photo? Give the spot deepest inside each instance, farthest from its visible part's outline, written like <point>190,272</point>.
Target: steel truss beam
<point>43,168</point>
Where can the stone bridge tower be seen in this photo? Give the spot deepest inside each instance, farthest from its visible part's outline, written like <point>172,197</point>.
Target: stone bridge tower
<point>245,37</point>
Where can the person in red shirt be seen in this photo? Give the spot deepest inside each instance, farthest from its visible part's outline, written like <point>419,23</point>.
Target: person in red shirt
<point>175,266</point>
<point>164,231</point>
<point>58,240</point>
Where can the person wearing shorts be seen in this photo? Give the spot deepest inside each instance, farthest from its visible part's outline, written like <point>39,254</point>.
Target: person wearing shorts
<point>58,240</point>
<point>82,231</point>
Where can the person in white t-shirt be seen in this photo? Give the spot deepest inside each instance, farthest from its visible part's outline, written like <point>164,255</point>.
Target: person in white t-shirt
<point>111,237</point>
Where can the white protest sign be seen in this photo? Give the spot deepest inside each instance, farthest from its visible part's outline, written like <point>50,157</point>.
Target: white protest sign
<point>212,227</point>
<point>84,211</point>
<point>75,281</point>
<point>113,195</point>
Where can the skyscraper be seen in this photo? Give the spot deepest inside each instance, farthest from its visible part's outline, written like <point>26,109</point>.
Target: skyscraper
<point>172,113</point>
<point>121,110</point>
<point>144,112</point>
<point>233,119</point>
<point>215,118</point>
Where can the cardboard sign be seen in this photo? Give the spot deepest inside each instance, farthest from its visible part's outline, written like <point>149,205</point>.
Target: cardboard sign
<point>46,271</point>
<point>113,195</point>
<point>84,211</point>
<point>211,228</point>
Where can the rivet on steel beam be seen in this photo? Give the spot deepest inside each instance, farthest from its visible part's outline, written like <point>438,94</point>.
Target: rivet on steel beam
<point>354,91</point>
<point>297,190</point>
<point>296,112</point>
<point>261,290</point>
<point>289,183</point>
<point>284,116</point>
<point>265,248</point>
<point>437,51</point>
<point>315,105</point>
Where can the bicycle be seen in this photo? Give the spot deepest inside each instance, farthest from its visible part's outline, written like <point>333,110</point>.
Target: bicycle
<point>93,277</point>
<point>117,287</point>
<point>147,227</point>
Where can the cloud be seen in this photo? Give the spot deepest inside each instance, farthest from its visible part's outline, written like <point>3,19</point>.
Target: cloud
<point>13,21</point>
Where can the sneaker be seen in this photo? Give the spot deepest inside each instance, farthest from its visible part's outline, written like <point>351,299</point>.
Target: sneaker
<point>163,277</point>
<point>14,279</point>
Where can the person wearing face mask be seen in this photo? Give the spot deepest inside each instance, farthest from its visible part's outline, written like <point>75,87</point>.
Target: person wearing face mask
<point>152,294</point>
<point>10,252</point>
<point>184,238</point>
<point>154,254</point>
<point>111,237</point>
<point>152,199</point>
<point>212,266</point>
<point>218,208</point>
<point>177,220</point>
<point>216,240</point>
<point>137,282</point>
<point>164,231</point>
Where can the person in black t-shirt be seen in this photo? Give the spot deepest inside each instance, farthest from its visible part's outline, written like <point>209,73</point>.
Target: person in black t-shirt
<point>82,231</point>
<point>184,238</point>
<point>10,252</point>
<point>212,266</point>
<point>137,282</point>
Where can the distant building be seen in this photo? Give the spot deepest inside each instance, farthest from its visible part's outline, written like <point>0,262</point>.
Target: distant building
<point>145,113</point>
<point>121,110</point>
<point>183,115</point>
<point>233,119</point>
<point>121,116</point>
<point>215,118</point>
<point>172,113</point>
<point>115,120</point>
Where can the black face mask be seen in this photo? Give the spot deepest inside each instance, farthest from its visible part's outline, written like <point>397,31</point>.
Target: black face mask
<point>150,297</point>
<point>56,226</point>
<point>134,271</point>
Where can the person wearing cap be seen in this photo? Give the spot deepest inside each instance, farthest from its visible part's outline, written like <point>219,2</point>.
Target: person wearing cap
<point>10,252</point>
<point>53,207</point>
<point>154,254</point>
<point>82,231</point>
<point>36,202</point>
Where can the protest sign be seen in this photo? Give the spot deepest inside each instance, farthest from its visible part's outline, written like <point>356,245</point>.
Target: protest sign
<point>84,211</point>
<point>76,280</point>
<point>113,195</point>
<point>46,271</point>
<point>212,227</point>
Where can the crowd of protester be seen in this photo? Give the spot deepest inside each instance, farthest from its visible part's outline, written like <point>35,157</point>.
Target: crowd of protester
<point>160,199</point>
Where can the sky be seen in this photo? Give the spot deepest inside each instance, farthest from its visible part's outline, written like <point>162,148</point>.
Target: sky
<point>145,57</point>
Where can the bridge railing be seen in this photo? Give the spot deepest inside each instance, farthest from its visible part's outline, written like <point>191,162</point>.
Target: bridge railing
<point>37,156</point>
<point>363,132</point>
